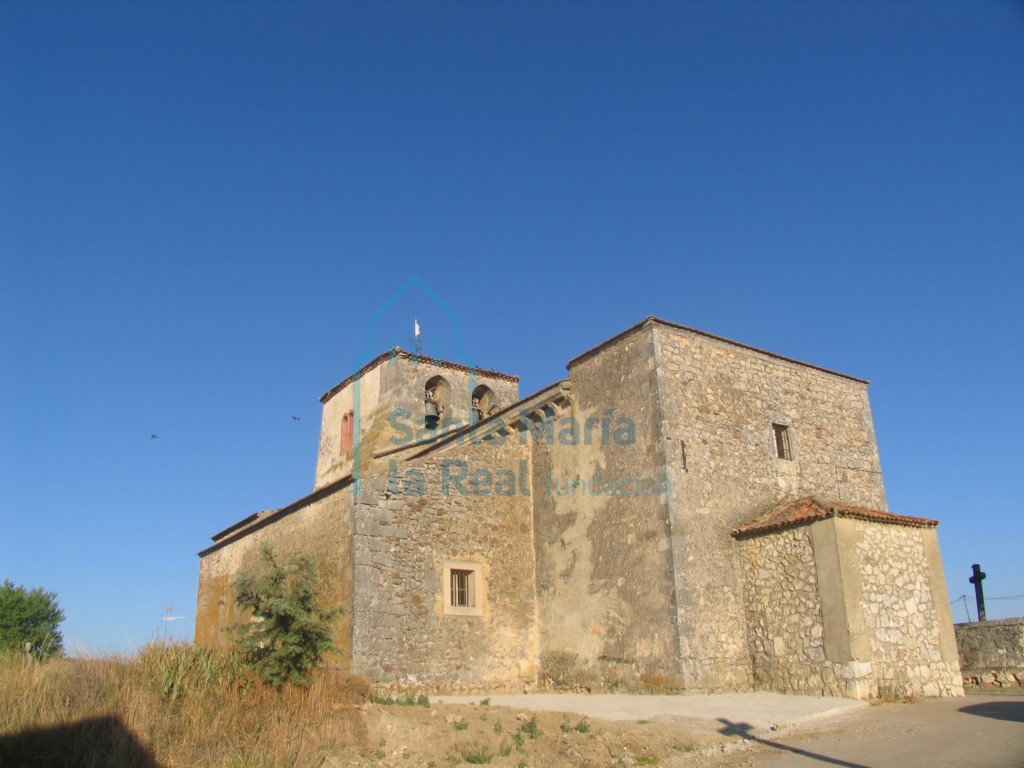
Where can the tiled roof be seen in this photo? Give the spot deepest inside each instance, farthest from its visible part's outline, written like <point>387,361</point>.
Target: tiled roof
<point>808,509</point>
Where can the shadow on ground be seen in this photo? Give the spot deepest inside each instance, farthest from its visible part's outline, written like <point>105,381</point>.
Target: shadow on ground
<point>998,710</point>
<point>100,741</point>
<point>746,731</point>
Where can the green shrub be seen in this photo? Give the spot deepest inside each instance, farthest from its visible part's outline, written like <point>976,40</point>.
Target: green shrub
<point>29,619</point>
<point>289,632</point>
<point>407,699</point>
<point>531,729</point>
<point>476,754</point>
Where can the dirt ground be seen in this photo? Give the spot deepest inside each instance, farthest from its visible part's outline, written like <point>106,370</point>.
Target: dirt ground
<point>980,731</point>
<point>460,734</point>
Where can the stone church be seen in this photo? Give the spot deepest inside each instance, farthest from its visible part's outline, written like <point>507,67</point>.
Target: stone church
<point>680,513</point>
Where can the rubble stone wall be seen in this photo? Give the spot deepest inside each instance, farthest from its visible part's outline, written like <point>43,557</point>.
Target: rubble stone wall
<point>786,626</point>
<point>992,653</point>
<point>901,615</point>
<point>845,607</point>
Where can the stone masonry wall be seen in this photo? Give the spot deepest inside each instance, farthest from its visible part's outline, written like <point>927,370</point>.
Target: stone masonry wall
<point>718,402</point>
<point>785,620</point>
<point>992,653</point>
<point>321,529</point>
<point>901,614</point>
<point>406,528</point>
<point>887,641</point>
<point>604,574</point>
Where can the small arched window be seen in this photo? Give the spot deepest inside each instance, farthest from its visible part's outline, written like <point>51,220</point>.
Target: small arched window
<point>347,424</point>
<point>436,397</point>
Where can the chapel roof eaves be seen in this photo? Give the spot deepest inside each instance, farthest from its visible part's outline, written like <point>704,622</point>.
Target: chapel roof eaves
<point>810,509</point>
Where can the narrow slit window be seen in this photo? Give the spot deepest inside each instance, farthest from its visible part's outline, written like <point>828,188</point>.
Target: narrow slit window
<point>347,424</point>
<point>783,447</point>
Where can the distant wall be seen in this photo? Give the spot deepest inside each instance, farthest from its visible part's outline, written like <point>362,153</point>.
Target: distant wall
<point>992,653</point>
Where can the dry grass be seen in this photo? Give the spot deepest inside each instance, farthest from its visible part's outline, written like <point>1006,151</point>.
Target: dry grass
<point>174,706</point>
<point>171,706</point>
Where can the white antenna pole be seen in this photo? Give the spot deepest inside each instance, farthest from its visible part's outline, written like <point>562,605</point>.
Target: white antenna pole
<point>165,618</point>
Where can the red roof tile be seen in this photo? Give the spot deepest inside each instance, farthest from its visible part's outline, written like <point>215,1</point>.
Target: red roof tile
<point>808,509</point>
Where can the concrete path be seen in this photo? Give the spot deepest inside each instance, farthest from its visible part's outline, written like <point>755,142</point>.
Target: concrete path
<point>978,731</point>
<point>759,710</point>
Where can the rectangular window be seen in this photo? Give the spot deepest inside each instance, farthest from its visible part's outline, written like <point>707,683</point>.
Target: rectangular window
<point>464,588</point>
<point>461,588</point>
<point>783,449</point>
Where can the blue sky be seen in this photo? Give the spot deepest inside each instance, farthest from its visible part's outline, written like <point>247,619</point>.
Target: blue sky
<point>201,205</point>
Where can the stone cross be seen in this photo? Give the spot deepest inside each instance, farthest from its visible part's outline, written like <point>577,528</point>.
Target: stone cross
<point>979,593</point>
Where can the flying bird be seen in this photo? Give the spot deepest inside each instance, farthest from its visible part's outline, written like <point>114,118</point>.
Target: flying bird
<point>152,437</point>
<point>296,418</point>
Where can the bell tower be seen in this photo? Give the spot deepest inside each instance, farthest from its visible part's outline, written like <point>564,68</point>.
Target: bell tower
<point>399,398</point>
